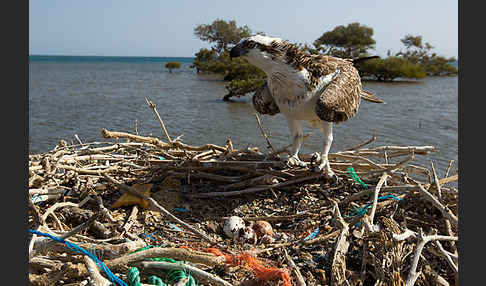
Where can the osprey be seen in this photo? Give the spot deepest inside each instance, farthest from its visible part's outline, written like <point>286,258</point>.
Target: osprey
<point>318,89</point>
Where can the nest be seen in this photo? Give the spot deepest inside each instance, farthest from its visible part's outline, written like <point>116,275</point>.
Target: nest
<point>385,221</point>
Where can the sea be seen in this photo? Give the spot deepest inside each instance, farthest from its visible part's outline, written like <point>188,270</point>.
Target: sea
<point>73,96</point>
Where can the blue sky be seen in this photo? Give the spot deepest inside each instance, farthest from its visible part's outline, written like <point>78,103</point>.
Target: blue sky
<point>165,28</point>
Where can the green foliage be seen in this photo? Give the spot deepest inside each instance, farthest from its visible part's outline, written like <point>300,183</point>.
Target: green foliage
<point>221,34</point>
<point>172,65</point>
<point>410,42</point>
<point>351,41</point>
<point>390,68</point>
<point>203,58</point>
<point>440,66</point>
<point>243,77</point>
<point>419,53</point>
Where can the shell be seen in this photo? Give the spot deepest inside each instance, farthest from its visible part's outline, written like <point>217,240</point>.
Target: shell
<point>232,226</point>
<point>262,228</point>
<point>247,234</point>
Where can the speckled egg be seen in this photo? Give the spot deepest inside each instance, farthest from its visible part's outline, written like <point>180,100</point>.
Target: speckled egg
<point>247,234</point>
<point>262,228</point>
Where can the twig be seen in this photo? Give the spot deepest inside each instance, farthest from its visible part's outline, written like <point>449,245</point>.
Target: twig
<point>157,142</point>
<point>447,256</point>
<point>85,171</point>
<point>94,273</point>
<point>298,276</point>
<point>174,253</point>
<point>79,140</point>
<point>214,280</point>
<point>448,168</point>
<point>130,220</point>
<point>375,198</point>
<point>443,209</point>
<point>56,206</point>
<point>162,125</point>
<point>422,240</point>
<point>264,134</point>
<point>110,251</point>
<point>372,139</point>
<point>436,181</point>
<point>338,267</point>
<point>106,213</point>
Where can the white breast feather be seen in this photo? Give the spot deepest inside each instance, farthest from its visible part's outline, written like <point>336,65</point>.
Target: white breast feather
<point>292,94</point>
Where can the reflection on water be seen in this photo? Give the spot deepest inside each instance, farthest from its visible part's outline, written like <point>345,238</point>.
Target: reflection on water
<point>82,98</point>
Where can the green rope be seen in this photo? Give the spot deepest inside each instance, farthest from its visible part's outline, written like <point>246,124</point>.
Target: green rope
<point>172,276</point>
<point>154,280</point>
<point>133,277</point>
<point>353,175</point>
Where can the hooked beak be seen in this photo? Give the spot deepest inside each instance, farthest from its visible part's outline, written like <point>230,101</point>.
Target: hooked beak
<point>237,51</point>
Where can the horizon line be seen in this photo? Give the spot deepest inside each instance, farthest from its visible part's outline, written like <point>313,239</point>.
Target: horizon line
<point>66,55</point>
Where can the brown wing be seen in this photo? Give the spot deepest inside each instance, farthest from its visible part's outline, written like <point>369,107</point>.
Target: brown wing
<point>263,101</point>
<point>340,99</point>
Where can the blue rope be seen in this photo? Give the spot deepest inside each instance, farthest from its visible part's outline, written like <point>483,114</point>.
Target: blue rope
<point>78,249</point>
<point>363,210</point>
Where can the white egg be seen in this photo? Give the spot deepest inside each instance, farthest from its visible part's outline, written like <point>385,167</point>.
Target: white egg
<point>232,226</point>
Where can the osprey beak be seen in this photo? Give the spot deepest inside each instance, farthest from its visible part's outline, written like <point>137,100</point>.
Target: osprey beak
<point>236,51</point>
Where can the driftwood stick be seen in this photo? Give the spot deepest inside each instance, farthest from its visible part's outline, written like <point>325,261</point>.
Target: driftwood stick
<point>338,267</point>
<point>110,251</point>
<point>162,125</point>
<point>85,171</point>
<point>264,134</point>
<point>56,206</point>
<point>299,279</point>
<point>436,181</point>
<point>448,168</point>
<point>35,211</point>
<point>158,207</point>
<point>447,256</point>
<point>447,213</point>
<point>104,211</point>
<point>174,253</point>
<point>75,230</point>
<point>130,220</point>
<point>422,240</point>
<point>157,142</point>
<point>375,198</point>
<point>214,280</point>
<point>96,278</point>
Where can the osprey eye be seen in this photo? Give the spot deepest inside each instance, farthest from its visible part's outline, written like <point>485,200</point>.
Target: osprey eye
<point>251,45</point>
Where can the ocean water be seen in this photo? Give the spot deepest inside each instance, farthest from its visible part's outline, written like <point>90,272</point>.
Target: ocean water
<point>71,95</point>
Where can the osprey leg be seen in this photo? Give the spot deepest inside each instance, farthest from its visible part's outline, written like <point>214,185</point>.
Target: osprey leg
<point>324,165</point>
<point>295,127</point>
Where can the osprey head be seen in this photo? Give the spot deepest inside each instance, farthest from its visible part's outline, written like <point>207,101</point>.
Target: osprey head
<point>256,49</point>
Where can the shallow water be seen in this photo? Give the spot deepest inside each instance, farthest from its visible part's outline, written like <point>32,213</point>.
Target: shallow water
<point>67,98</point>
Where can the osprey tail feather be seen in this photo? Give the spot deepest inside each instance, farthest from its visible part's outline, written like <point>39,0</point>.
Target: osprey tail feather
<point>368,96</point>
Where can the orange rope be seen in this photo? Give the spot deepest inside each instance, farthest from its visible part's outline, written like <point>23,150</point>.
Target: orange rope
<point>255,265</point>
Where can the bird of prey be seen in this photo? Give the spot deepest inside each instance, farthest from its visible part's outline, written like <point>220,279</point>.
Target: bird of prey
<point>318,89</point>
